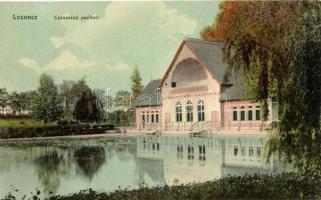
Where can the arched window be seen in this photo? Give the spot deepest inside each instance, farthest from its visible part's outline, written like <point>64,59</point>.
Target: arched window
<point>257,113</point>
<point>250,113</point>
<point>235,114</point>
<point>178,112</point>
<point>242,113</point>
<point>189,111</point>
<point>200,111</point>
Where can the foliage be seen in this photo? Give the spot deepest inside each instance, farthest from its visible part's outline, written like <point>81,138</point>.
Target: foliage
<point>122,100</point>
<point>282,186</point>
<point>83,108</point>
<point>87,110</point>
<point>48,104</point>
<point>136,80</point>
<point>89,159</point>
<point>49,130</point>
<point>121,118</point>
<point>300,137</point>
<point>3,97</point>
<point>277,45</point>
<point>19,122</point>
<point>66,91</point>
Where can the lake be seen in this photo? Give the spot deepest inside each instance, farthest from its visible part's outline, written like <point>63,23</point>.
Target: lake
<point>67,165</point>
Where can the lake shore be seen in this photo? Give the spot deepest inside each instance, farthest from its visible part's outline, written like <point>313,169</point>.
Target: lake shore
<point>281,186</point>
<point>134,133</point>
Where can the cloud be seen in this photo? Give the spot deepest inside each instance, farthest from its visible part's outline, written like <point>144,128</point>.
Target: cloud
<point>67,60</point>
<point>31,64</point>
<point>128,18</point>
<point>117,66</point>
<point>129,34</point>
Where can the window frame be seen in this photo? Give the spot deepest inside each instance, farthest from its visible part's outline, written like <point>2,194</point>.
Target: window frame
<point>189,111</point>
<point>250,113</point>
<point>200,111</point>
<point>178,112</point>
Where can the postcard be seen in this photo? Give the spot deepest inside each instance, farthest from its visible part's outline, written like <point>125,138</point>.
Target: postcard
<point>160,100</point>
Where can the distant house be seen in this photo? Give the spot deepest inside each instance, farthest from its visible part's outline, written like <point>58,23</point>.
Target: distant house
<point>7,110</point>
<point>192,95</point>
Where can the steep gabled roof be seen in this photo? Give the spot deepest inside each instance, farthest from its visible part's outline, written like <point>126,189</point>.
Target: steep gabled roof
<point>149,91</point>
<point>237,88</point>
<point>211,54</point>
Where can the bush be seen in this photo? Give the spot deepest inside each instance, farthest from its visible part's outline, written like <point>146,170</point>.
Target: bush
<point>52,130</point>
<point>282,186</point>
<point>13,116</point>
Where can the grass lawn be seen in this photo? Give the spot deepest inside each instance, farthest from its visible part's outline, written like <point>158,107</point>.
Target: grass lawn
<point>27,122</point>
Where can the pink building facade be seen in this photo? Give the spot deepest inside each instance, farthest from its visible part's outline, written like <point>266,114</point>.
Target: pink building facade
<point>193,95</point>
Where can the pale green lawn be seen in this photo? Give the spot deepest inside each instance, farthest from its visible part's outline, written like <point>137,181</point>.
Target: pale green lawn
<point>19,123</point>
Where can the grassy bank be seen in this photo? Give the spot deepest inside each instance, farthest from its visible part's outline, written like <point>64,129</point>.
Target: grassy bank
<point>17,122</point>
<point>27,128</point>
<point>283,186</point>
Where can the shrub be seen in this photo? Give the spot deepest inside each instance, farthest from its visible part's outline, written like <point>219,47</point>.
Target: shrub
<point>282,186</point>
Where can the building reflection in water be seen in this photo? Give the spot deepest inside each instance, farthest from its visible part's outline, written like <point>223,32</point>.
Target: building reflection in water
<point>181,160</point>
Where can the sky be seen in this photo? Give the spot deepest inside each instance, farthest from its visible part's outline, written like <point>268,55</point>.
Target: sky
<point>105,51</point>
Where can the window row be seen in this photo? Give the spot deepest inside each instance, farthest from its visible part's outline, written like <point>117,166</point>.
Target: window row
<point>239,114</point>
<point>190,152</point>
<point>150,117</point>
<point>250,152</point>
<point>155,146</point>
<point>189,111</point>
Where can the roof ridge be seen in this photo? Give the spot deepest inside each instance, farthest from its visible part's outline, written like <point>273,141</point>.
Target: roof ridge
<point>202,41</point>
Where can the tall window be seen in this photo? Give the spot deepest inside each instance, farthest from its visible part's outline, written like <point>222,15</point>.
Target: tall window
<point>157,117</point>
<point>250,113</point>
<point>234,114</point>
<point>143,117</point>
<point>147,117</point>
<point>242,114</point>
<point>152,116</point>
<point>257,113</point>
<point>200,111</point>
<point>190,155</point>
<point>202,153</point>
<point>178,112</point>
<point>236,150</point>
<point>189,111</point>
<point>251,151</point>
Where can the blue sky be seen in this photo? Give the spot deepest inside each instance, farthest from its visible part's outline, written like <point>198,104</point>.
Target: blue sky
<point>126,35</point>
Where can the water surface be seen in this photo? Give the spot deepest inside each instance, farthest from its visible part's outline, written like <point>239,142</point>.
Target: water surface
<point>64,166</point>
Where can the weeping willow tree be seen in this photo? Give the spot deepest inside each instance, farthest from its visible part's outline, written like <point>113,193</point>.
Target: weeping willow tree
<point>299,99</point>
<point>277,46</point>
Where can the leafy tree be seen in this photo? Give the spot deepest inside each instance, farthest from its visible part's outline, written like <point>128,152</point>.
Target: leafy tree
<point>87,109</point>
<point>27,98</point>
<point>300,98</point>
<point>66,92</point>
<point>277,46</point>
<point>48,104</point>
<point>136,80</point>
<point>3,97</point>
<point>84,108</point>
<point>16,102</point>
<point>122,100</point>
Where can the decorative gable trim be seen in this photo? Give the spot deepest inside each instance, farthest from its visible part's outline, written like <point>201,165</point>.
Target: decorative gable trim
<point>175,59</point>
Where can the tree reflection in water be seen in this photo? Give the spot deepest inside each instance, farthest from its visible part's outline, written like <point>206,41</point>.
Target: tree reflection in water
<point>50,166</point>
<point>89,160</point>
